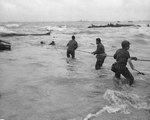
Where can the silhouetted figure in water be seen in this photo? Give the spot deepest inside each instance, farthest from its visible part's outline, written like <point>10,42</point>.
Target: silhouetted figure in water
<point>42,42</point>
<point>23,34</point>
<point>122,56</point>
<point>4,45</point>
<point>100,54</point>
<point>52,43</point>
<point>72,46</point>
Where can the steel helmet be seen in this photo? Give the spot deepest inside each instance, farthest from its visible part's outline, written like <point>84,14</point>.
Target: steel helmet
<point>98,40</point>
<point>125,43</point>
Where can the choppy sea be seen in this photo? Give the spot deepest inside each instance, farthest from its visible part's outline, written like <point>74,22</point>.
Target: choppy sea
<point>36,82</point>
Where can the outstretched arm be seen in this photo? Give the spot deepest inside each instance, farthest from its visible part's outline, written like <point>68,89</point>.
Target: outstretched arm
<point>130,62</point>
<point>67,44</point>
<point>96,51</point>
<point>76,46</point>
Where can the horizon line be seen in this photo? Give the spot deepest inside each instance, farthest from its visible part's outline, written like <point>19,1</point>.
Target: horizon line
<point>78,21</point>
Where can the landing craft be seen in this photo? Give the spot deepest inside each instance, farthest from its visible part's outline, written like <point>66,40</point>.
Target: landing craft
<point>20,34</point>
<point>111,25</point>
<point>4,45</point>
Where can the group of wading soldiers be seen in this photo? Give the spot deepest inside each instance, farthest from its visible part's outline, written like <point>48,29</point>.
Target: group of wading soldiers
<point>122,56</point>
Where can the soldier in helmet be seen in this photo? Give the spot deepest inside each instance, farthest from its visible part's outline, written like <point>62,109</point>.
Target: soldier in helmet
<point>72,46</point>
<point>100,54</point>
<point>122,56</point>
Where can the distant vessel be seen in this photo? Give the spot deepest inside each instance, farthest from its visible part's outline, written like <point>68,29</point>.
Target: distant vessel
<point>82,20</point>
<point>111,25</point>
<point>130,21</point>
<point>4,45</point>
<point>21,34</point>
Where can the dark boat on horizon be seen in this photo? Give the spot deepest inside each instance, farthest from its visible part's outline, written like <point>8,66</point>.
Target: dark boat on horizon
<point>22,34</point>
<point>111,25</point>
<point>4,45</point>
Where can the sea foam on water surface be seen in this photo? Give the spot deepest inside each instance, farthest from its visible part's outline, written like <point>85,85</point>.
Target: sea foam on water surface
<point>120,102</point>
<point>35,64</point>
<point>5,30</point>
<point>124,99</point>
<point>12,25</point>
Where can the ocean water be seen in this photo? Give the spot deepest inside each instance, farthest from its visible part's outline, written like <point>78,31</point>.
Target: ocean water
<point>36,82</point>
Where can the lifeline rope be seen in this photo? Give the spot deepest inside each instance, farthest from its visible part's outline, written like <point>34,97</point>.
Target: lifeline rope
<point>112,56</point>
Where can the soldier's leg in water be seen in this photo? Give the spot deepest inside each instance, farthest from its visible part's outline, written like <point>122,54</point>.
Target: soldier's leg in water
<point>68,54</point>
<point>102,58</point>
<point>129,77</point>
<point>117,80</point>
<point>98,64</point>
<point>117,75</point>
<point>73,54</point>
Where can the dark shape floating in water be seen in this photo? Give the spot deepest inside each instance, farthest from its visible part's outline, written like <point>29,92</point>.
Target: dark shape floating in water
<point>4,45</point>
<point>20,34</point>
<point>113,25</point>
<point>42,42</point>
<point>52,43</point>
<point>130,21</point>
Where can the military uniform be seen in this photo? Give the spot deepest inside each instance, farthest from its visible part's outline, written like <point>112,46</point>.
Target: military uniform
<point>72,45</point>
<point>100,55</point>
<point>119,67</point>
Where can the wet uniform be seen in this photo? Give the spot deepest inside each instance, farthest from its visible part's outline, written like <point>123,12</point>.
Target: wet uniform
<point>119,67</point>
<point>72,45</point>
<point>100,58</point>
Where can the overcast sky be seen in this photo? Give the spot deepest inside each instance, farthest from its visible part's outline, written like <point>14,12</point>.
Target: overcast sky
<point>72,10</point>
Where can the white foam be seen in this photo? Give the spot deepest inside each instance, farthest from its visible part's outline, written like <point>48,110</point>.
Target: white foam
<point>122,100</point>
<point>119,102</point>
<point>12,25</point>
<point>55,28</point>
<point>94,115</point>
<point>5,30</point>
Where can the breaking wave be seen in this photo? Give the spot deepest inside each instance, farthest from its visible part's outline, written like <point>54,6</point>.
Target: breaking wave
<point>141,35</point>
<point>89,32</point>
<point>141,38</point>
<point>55,28</point>
<point>12,25</point>
<point>120,102</point>
<point>5,30</point>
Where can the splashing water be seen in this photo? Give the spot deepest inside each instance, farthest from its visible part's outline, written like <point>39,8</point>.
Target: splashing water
<point>37,83</point>
<point>120,102</point>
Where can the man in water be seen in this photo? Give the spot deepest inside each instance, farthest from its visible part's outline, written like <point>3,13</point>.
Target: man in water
<point>72,46</point>
<point>122,56</point>
<point>52,43</point>
<point>42,42</point>
<point>100,54</point>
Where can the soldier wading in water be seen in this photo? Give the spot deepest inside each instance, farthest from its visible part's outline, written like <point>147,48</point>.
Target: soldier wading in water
<point>122,56</point>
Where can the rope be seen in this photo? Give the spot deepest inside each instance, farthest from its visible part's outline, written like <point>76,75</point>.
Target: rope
<point>112,56</point>
<point>143,60</point>
<point>109,56</point>
<point>139,72</point>
<point>84,51</point>
<point>4,42</point>
<point>91,53</point>
<point>58,50</point>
